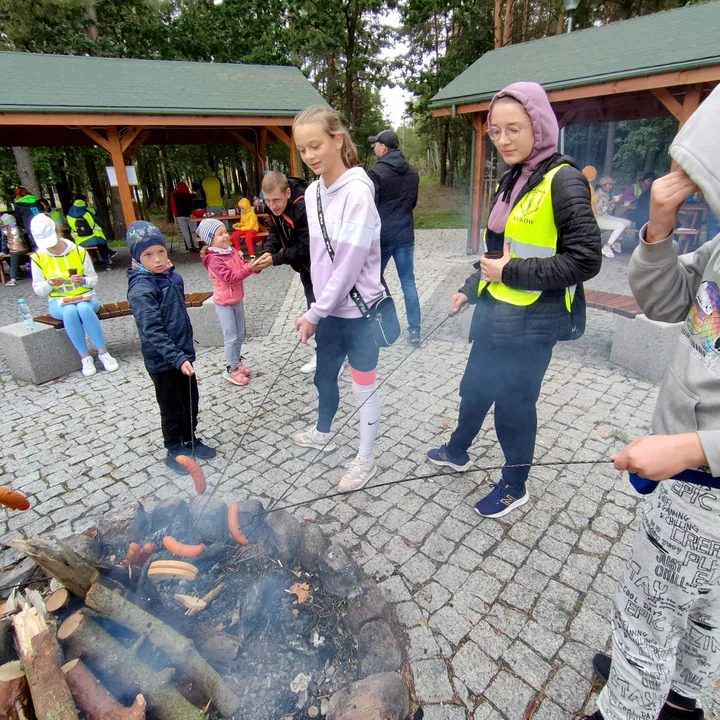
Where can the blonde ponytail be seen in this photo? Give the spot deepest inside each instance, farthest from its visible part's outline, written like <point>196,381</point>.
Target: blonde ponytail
<point>332,125</point>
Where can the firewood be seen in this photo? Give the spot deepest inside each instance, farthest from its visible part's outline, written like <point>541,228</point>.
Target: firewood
<point>41,660</point>
<point>208,598</point>
<point>7,651</point>
<point>58,600</point>
<point>190,602</point>
<point>14,693</point>
<point>81,636</point>
<point>177,647</point>
<point>94,700</point>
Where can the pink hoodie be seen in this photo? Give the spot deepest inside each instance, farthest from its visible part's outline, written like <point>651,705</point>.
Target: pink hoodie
<point>227,273</point>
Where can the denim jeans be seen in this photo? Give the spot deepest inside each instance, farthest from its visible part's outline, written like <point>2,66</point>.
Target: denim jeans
<point>403,257</point>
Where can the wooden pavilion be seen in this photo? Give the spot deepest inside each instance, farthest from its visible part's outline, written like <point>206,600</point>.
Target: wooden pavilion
<point>652,66</point>
<point>120,104</point>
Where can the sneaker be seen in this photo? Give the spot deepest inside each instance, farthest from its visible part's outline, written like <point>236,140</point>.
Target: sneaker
<point>311,438</point>
<point>242,370</point>
<point>108,362</point>
<point>414,337</point>
<point>309,367</point>
<point>173,464</point>
<point>501,500</point>
<point>11,283</point>
<point>607,252</point>
<point>357,475</point>
<point>617,247</point>
<point>441,456</point>
<point>235,378</point>
<point>201,450</point>
<point>112,253</point>
<point>88,366</point>
<point>601,665</point>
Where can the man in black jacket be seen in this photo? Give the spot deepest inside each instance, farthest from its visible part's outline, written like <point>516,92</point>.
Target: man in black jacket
<point>396,192</point>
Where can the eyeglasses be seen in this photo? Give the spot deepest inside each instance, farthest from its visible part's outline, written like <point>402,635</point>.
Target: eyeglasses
<point>512,133</point>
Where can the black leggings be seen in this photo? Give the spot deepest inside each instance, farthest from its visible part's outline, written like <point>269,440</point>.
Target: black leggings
<point>510,377</point>
<point>177,396</point>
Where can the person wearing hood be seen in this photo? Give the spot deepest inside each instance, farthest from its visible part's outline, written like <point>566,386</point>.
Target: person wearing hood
<point>396,192</point>
<point>87,231</point>
<point>666,613</point>
<point>156,294</point>
<point>27,206</point>
<point>63,272</point>
<point>181,206</point>
<point>541,244</point>
<point>246,229</point>
<point>340,206</point>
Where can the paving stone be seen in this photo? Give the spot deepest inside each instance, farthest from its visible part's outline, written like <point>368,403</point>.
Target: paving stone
<point>451,577</point>
<point>509,695</point>
<point>490,639</point>
<point>568,689</point>
<point>437,548</point>
<point>418,569</point>
<point>432,684</point>
<point>451,624</point>
<point>474,668</point>
<point>422,643</point>
<point>432,597</point>
<point>542,640</point>
<point>483,586</point>
<point>527,664</point>
<point>443,712</point>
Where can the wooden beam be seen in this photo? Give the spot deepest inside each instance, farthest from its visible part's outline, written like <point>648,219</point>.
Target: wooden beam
<point>281,135</point>
<point>261,153</point>
<point>245,143</point>
<point>96,138</point>
<point>566,118</point>
<point>122,120</point>
<point>479,121</point>
<point>130,135</point>
<point>663,80</point>
<point>118,162</point>
<point>664,96</point>
<point>135,145</point>
<point>691,102</point>
<point>294,164</point>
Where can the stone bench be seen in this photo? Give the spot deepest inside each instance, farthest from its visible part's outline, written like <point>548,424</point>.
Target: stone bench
<point>206,328</point>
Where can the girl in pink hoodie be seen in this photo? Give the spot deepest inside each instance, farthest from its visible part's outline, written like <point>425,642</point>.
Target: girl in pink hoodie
<point>227,271</point>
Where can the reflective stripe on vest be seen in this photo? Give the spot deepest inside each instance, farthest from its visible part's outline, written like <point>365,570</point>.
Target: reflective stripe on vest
<point>54,266</point>
<point>96,231</point>
<point>531,232</point>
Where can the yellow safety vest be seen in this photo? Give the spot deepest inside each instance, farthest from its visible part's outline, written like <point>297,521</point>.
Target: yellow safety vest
<point>90,219</point>
<point>59,266</point>
<point>532,233</point>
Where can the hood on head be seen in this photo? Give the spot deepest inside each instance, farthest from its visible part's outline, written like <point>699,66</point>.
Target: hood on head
<point>244,204</point>
<point>27,199</point>
<point>535,101</point>
<point>182,188</point>
<point>354,173</point>
<point>696,148</point>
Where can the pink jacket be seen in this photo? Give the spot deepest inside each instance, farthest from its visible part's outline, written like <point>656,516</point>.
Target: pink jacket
<point>227,273</point>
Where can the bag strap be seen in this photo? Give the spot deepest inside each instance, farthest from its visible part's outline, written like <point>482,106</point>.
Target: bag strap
<point>354,294</point>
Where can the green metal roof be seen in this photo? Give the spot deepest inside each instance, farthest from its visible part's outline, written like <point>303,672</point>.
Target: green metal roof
<point>68,83</point>
<point>675,40</point>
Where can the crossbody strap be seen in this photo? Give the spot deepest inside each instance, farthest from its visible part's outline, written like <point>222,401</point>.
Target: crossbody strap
<point>354,294</point>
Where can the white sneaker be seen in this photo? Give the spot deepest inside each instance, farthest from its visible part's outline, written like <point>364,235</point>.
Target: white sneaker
<point>309,367</point>
<point>617,247</point>
<point>357,475</point>
<point>109,362</point>
<point>88,366</point>
<point>311,438</point>
<point>10,283</point>
<point>607,252</point>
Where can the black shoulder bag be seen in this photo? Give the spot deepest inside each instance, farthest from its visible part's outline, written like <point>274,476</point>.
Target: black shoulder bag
<point>384,323</point>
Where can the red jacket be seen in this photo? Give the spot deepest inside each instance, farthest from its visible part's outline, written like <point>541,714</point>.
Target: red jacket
<point>227,273</point>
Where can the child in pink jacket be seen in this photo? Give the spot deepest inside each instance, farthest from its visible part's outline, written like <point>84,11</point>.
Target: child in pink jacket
<point>227,270</point>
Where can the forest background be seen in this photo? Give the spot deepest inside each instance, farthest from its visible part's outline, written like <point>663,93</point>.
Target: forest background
<point>344,47</point>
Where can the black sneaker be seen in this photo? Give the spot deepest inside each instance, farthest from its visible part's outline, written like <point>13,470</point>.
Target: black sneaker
<point>173,464</point>
<point>112,252</point>
<point>601,665</point>
<point>202,451</point>
<point>414,337</point>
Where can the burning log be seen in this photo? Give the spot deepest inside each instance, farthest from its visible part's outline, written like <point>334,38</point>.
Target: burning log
<point>207,599</point>
<point>84,637</point>
<point>14,694</point>
<point>94,700</point>
<point>177,647</point>
<point>41,659</point>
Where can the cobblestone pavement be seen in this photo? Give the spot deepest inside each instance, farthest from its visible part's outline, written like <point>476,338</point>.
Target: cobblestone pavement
<point>502,617</point>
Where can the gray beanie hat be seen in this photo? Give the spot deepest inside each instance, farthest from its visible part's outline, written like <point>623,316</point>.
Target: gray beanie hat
<point>207,228</point>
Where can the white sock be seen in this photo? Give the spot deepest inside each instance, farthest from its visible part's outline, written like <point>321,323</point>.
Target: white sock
<point>368,397</point>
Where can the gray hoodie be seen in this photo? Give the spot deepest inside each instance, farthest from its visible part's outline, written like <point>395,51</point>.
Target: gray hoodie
<point>686,288</point>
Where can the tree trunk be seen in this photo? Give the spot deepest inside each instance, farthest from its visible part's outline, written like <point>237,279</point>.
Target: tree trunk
<point>14,693</point>
<point>99,194</point>
<point>168,180</point>
<point>651,157</point>
<point>26,170</point>
<point>590,145</point>
<point>82,636</point>
<point>508,29</point>
<point>94,700</point>
<point>525,20</point>
<point>243,179</point>
<point>498,24</point>
<point>560,27</point>
<point>177,647</point>
<point>609,149</point>
<point>443,153</point>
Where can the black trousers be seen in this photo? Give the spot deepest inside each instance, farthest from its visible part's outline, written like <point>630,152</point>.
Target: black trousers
<point>510,377</point>
<point>306,280</point>
<point>177,396</point>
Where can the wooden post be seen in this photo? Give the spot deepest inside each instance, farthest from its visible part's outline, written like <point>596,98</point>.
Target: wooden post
<point>261,154</point>
<point>478,182</point>
<point>118,162</point>
<point>294,165</point>
<point>691,102</point>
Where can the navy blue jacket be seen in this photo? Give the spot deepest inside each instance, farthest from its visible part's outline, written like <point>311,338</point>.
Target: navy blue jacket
<point>157,302</point>
<point>396,192</point>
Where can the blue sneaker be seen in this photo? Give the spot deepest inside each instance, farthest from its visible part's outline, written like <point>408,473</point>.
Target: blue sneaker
<point>202,451</point>
<point>441,456</point>
<point>501,500</point>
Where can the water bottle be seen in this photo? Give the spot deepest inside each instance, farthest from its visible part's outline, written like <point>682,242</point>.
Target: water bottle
<point>26,314</point>
<point>641,484</point>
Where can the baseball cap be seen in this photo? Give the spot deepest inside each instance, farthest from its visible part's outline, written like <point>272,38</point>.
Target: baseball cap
<point>44,232</point>
<point>387,138</point>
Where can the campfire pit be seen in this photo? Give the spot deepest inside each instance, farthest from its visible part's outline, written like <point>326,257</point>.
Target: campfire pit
<point>283,627</point>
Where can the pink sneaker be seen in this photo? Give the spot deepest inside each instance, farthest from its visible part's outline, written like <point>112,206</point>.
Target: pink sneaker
<point>235,378</point>
<point>242,370</point>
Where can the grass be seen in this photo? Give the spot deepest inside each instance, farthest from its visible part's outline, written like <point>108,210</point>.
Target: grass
<point>440,208</point>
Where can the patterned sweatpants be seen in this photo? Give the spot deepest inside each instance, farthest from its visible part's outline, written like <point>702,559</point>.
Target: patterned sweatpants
<point>666,613</point>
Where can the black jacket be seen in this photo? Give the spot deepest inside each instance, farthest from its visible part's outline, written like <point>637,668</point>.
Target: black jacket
<point>396,192</point>
<point>288,239</point>
<point>157,302</point>
<point>578,259</point>
<point>26,208</point>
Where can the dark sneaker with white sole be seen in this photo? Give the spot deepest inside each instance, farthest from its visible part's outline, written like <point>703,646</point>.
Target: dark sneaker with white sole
<point>202,451</point>
<point>501,500</point>
<point>441,456</point>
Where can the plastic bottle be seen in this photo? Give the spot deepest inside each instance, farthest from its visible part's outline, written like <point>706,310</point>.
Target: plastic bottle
<point>641,484</point>
<point>26,314</point>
